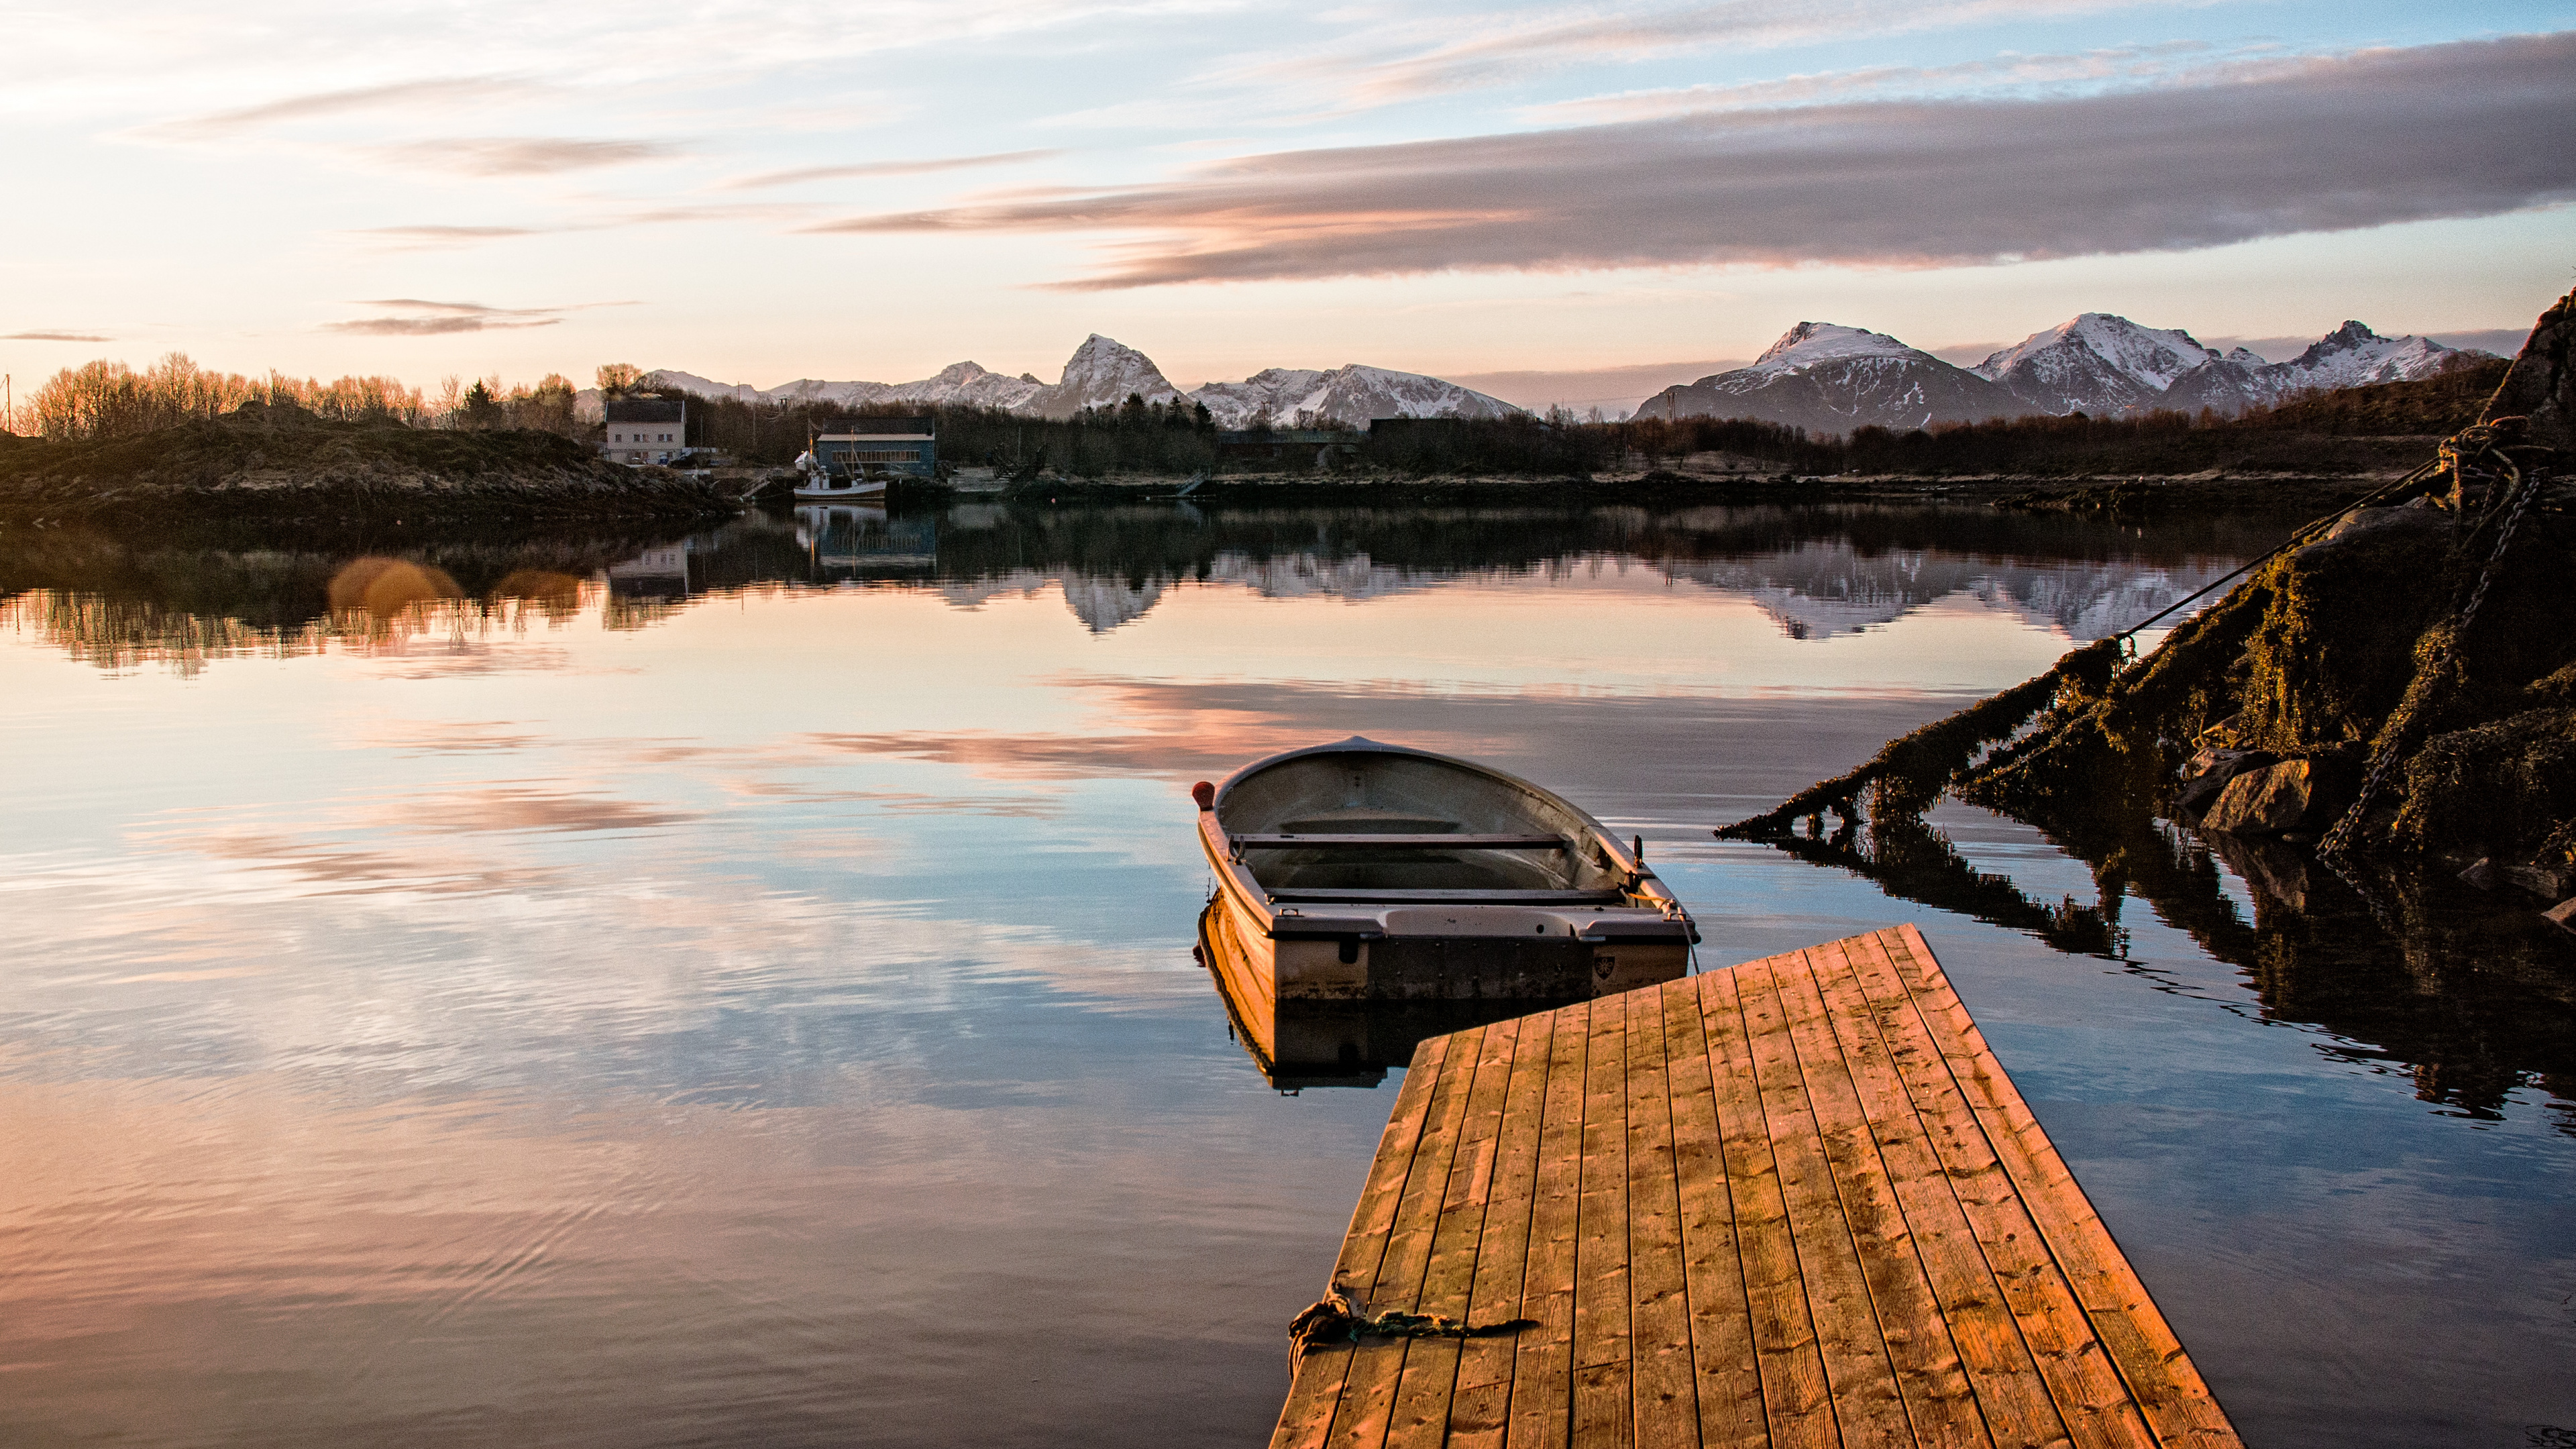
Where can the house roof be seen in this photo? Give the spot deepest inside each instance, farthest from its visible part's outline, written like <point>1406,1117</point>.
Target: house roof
<point>646,410</point>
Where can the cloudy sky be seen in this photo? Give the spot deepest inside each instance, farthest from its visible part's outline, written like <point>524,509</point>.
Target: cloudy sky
<point>1553,199</point>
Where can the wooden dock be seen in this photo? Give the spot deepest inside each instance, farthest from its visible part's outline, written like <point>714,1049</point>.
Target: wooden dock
<point>1793,1202</point>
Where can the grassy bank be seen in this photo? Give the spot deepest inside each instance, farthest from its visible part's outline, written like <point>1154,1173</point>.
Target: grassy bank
<point>288,465</point>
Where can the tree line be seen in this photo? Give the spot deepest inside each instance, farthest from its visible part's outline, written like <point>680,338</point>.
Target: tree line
<point>109,400</point>
<point>1138,436</point>
<point>103,399</point>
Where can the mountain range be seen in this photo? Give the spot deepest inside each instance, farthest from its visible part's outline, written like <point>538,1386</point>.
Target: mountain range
<point>1104,372</point>
<point>1821,376</point>
<point>1829,378</point>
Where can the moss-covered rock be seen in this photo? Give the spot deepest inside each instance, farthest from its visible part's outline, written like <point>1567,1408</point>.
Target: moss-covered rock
<point>2503,788</point>
<point>2334,650</point>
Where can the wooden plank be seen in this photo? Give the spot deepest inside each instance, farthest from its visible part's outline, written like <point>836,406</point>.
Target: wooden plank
<point>1368,1394</point>
<point>2091,1400</point>
<point>1542,1366</point>
<point>1601,1413</point>
<point>1480,1407</point>
<point>1726,1372</point>
<point>1316,1390</point>
<point>2168,1388</point>
<point>1663,1390</point>
<point>1940,1408</point>
<point>1861,1380</point>
<point>2011,1397</point>
<point>1796,1402</point>
<point>1430,1373</point>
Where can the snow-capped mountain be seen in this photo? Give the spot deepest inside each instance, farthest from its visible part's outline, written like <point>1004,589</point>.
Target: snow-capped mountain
<point>2096,363</point>
<point>2353,356</point>
<point>1102,372</point>
<point>964,384</point>
<point>1830,379</point>
<point>961,384</point>
<point>1351,395</point>
<point>2350,356</point>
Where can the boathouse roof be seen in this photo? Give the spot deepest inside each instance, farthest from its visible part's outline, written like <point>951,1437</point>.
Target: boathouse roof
<point>880,427</point>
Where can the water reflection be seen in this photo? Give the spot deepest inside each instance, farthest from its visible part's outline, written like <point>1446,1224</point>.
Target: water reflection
<point>2475,1003</point>
<point>736,989</point>
<point>187,598</point>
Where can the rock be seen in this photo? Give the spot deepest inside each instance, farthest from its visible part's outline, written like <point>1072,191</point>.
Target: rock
<point>2539,880</point>
<point>2542,384</point>
<point>2562,915</point>
<point>2418,514</point>
<point>2481,875</point>
<point>2208,772</point>
<point>2290,795</point>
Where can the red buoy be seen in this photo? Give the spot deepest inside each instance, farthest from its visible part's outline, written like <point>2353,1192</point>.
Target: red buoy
<point>1205,794</point>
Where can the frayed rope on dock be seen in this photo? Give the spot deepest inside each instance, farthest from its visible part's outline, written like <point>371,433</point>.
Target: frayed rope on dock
<point>1334,1318</point>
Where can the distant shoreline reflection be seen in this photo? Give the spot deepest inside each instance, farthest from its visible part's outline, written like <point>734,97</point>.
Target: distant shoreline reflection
<point>119,600</point>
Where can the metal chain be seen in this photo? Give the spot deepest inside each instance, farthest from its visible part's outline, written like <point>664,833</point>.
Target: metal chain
<point>2391,745</point>
<point>2530,489</point>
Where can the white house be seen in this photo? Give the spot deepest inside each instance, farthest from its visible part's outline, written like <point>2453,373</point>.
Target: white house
<point>645,430</point>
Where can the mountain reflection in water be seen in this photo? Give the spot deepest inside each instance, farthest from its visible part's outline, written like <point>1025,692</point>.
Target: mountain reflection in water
<point>1817,571</point>
<point>736,989</point>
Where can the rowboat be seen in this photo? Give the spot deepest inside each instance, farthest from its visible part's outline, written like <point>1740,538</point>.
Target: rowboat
<point>1375,872</point>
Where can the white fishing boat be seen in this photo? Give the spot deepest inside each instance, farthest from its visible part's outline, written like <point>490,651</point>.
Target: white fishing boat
<point>1367,871</point>
<point>818,482</point>
<point>859,458</point>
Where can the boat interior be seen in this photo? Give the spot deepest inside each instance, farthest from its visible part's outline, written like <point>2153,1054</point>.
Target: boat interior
<point>1326,825</point>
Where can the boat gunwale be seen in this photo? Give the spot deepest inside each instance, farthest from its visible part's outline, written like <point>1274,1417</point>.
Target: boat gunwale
<point>1258,905</point>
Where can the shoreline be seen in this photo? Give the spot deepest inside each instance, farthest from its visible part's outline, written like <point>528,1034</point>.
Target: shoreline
<point>2124,493</point>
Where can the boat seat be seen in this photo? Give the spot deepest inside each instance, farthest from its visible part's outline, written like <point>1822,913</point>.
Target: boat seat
<point>1461,898</point>
<point>1408,842</point>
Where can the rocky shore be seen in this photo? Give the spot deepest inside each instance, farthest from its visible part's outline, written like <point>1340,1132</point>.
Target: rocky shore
<point>2401,687</point>
<point>2389,698</point>
<point>285,465</point>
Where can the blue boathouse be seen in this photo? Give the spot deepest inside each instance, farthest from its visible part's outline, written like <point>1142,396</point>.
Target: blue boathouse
<point>899,447</point>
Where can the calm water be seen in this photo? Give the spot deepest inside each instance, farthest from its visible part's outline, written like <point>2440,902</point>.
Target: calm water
<point>738,990</point>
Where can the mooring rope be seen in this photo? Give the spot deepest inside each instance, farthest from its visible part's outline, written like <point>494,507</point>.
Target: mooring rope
<point>1334,1318</point>
<point>1930,758</point>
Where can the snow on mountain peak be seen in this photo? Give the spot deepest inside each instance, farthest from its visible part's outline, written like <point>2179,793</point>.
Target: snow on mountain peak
<point>2353,355</point>
<point>2149,358</point>
<point>1810,343</point>
<point>1351,394</point>
<point>1103,372</point>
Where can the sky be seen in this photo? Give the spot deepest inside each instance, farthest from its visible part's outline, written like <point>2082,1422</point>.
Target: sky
<point>1546,200</point>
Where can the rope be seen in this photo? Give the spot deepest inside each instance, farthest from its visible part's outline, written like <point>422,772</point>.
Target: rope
<point>1334,1318</point>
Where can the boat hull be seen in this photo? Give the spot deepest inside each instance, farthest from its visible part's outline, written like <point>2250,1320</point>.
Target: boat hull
<point>871,488</point>
<point>1299,1043</point>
